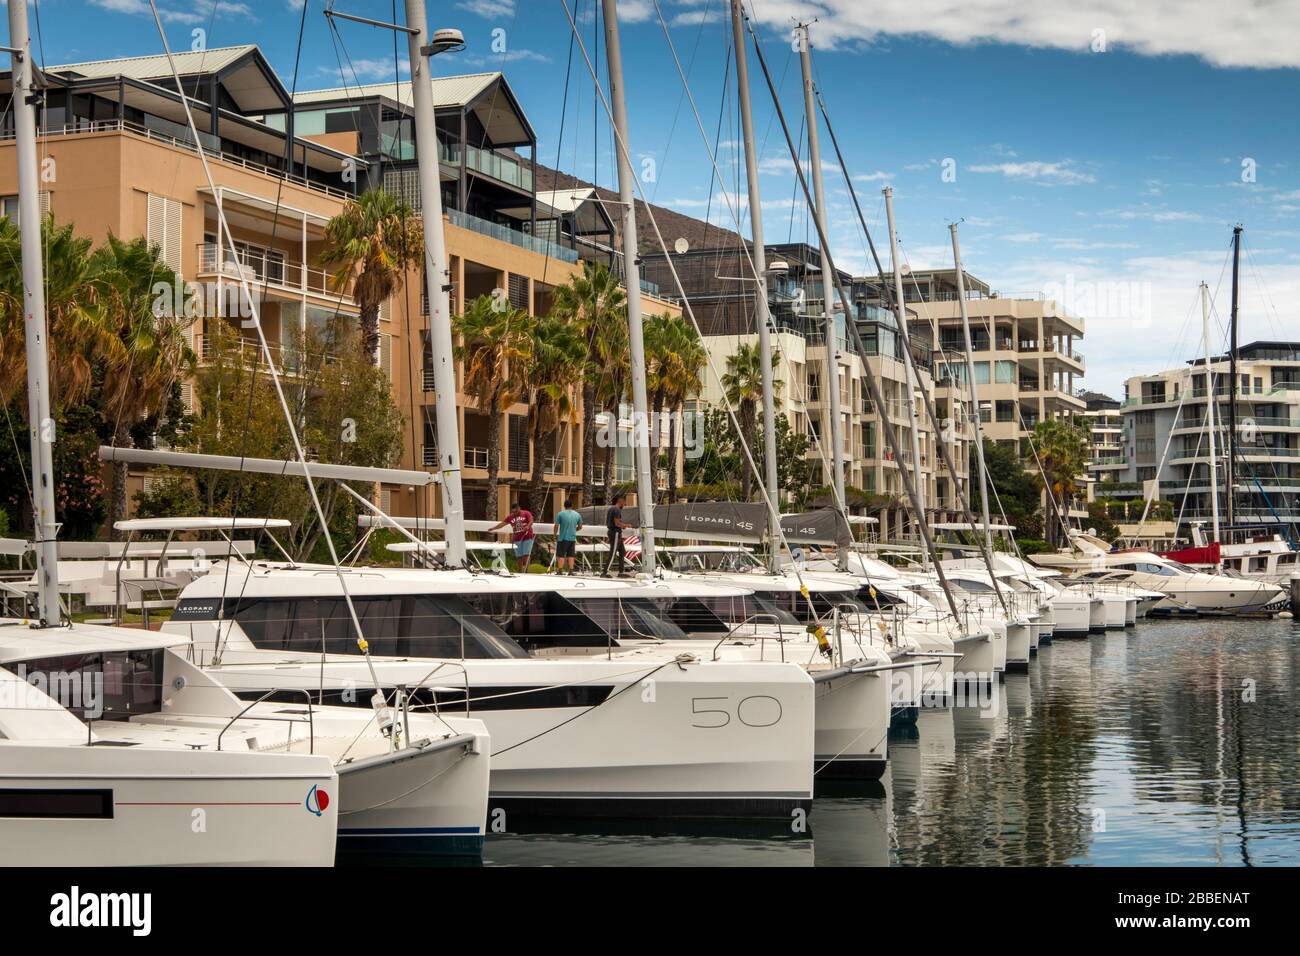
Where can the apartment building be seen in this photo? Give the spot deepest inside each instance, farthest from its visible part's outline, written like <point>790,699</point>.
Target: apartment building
<point>1105,426</point>
<point>1166,439</point>
<point>723,303</point>
<point>1025,349</point>
<point>120,157</point>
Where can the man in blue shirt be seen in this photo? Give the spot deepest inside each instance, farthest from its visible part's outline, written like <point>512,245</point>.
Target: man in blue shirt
<point>567,524</point>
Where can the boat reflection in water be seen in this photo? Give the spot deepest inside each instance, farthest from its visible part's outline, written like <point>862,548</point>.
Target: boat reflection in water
<point>1137,747</point>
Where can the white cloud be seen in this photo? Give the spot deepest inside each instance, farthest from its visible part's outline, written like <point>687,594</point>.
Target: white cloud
<point>1162,326</point>
<point>877,177</point>
<point>488,8</point>
<point>1062,173</point>
<point>1023,237</point>
<point>1248,33</point>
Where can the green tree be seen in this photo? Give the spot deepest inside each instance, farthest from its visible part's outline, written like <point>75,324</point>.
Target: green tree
<point>157,354</point>
<point>598,306</point>
<point>1062,455</point>
<point>743,384</point>
<point>675,357</point>
<point>494,349</point>
<point>1015,488</point>
<point>793,468</point>
<point>79,336</point>
<point>554,367</point>
<point>371,245</point>
<point>343,409</point>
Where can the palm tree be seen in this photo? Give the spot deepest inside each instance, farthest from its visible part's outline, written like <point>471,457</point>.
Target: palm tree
<point>371,244</point>
<point>1062,451</point>
<point>597,304</point>
<point>496,344</point>
<point>156,348</point>
<point>743,384</point>
<point>79,335</point>
<point>690,358</point>
<point>556,362</point>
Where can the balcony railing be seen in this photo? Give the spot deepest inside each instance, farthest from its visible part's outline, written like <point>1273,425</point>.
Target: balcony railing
<point>428,374</point>
<point>476,457</point>
<point>559,465</point>
<point>126,126</point>
<point>259,268</point>
<point>429,456</point>
<point>622,474</point>
<point>506,234</point>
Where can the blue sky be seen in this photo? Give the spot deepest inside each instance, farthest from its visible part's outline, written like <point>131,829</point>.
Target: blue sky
<point>1111,178</point>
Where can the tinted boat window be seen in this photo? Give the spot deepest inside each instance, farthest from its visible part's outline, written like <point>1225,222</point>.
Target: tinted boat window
<point>116,685</point>
<point>539,619</point>
<point>403,625</point>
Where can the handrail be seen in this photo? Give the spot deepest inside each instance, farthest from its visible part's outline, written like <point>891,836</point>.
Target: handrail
<point>126,126</point>
<point>311,722</point>
<point>754,618</point>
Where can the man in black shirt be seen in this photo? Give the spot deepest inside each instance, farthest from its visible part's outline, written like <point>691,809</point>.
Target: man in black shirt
<point>614,525</point>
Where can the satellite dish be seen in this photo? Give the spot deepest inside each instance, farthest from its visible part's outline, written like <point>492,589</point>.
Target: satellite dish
<point>682,246</point>
<point>906,269</point>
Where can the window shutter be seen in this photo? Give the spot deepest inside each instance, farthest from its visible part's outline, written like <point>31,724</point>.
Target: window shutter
<point>45,203</point>
<point>386,354</point>
<point>164,230</point>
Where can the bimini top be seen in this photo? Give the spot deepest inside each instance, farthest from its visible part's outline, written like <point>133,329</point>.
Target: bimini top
<point>200,523</point>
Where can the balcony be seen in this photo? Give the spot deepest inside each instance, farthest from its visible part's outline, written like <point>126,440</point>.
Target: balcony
<point>623,474</point>
<point>495,165</point>
<point>135,129</point>
<point>493,230</point>
<point>559,465</point>
<point>266,268</point>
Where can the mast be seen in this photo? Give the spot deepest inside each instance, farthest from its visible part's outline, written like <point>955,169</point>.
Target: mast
<point>974,395</point>
<point>1232,378</point>
<point>40,420</point>
<point>901,319</point>
<point>831,331</point>
<point>1211,399</point>
<point>632,280</point>
<point>764,317</point>
<point>436,283</point>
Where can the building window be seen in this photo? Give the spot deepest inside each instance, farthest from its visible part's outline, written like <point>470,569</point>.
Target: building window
<point>517,429</point>
<point>518,291</point>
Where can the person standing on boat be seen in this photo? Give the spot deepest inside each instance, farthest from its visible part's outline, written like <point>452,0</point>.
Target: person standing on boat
<point>520,520</point>
<point>567,524</point>
<point>614,525</point>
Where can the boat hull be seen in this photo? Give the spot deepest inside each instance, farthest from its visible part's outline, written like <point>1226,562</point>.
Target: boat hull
<point>141,807</point>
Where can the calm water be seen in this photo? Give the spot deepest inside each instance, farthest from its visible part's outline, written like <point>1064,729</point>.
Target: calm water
<point>1169,743</point>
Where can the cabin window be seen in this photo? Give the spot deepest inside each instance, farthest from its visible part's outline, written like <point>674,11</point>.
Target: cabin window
<point>116,685</point>
<point>402,625</point>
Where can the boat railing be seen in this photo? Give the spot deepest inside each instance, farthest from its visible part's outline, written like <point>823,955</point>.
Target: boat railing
<point>311,722</point>
<point>756,618</point>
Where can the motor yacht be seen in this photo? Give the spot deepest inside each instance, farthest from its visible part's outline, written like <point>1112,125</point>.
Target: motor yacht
<point>1186,589</point>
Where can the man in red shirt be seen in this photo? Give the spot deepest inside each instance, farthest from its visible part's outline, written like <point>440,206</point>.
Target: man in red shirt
<point>521,527</point>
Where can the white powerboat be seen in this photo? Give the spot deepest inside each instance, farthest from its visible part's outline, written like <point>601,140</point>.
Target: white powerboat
<point>1187,590</point>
